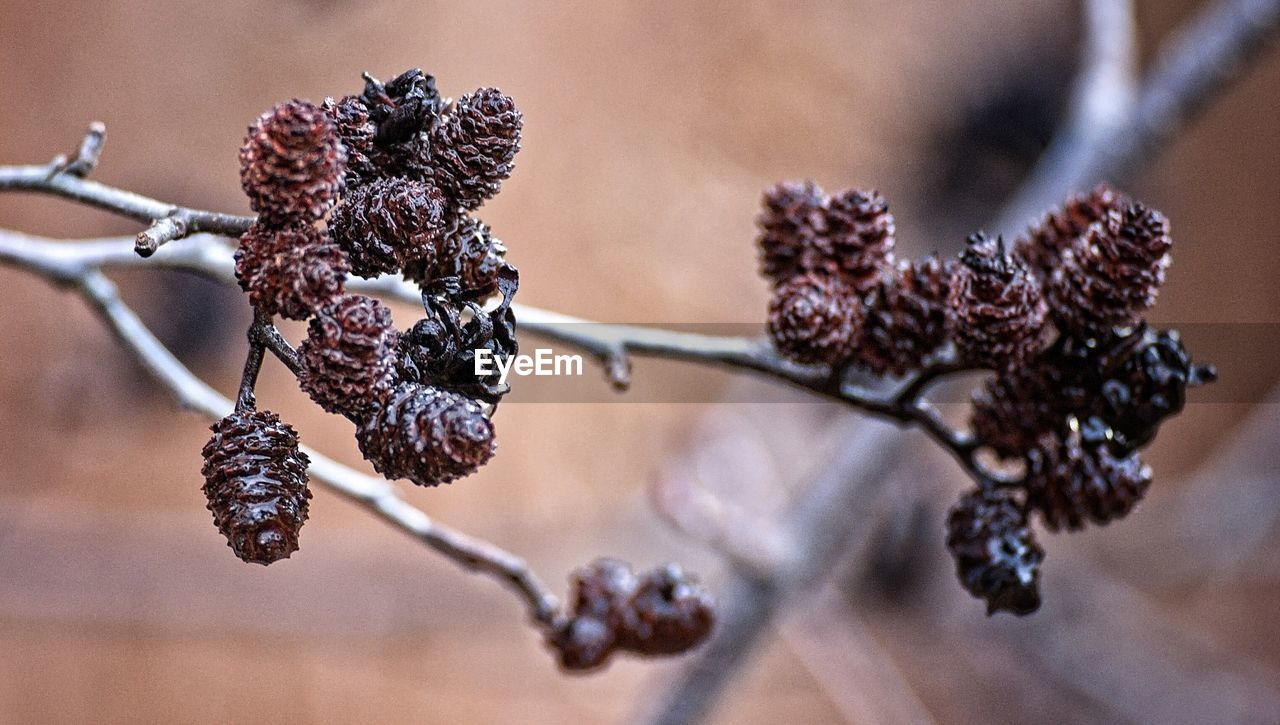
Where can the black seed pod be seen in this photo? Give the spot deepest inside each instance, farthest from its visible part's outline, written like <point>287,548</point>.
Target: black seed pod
<point>402,107</point>
<point>469,254</point>
<point>292,163</point>
<point>858,236</point>
<point>256,482</point>
<point>997,557</point>
<point>1111,274</point>
<point>292,271</point>
<point>1044,243</point>
<point>668,614</point>
<point>387,223</point>
<point>1070,483</point>
<point>814,318</point>
<point>997,306</point>
<point>789,221</point>
<point>426,435</point>
<point>906,317</point>
<point>348,357</point>
<point>475,146</point>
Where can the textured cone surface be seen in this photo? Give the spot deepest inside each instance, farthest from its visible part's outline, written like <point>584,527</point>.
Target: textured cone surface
<point>291,271</point>
<point>292,163</point>
<point>997,557</point>
<point>857,238</point>
<point>348,355</point>
<point>814,318</point>
<point>1044,243</point>
<point>906,318</point>
<point>256,485</point>
<point>403,107</point>
<point>789,221</point>
<point>468,253</point>
<point>426,435</point>
<point>1111,274</point>
<point>474,147</point>
<point>388,222</point>
<point>1070,483</point>
<point>351,118</point>
<point>997,306</point>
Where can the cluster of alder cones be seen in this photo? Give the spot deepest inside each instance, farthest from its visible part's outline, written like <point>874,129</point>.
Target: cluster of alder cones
<point>381,183</point>
<point>1081,381</point>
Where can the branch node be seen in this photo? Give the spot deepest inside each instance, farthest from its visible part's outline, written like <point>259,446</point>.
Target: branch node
<point>161,231</point>
<point>617,368</point>
<point>86,157</point>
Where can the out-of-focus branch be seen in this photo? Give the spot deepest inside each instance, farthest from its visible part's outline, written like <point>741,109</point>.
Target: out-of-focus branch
<point>1192,67</point>
<point>376,495</point>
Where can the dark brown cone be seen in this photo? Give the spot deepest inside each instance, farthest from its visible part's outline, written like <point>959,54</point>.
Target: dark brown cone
<point>403,107</point>
<point>348,356</point>
<point>997,557</point>
<point>426,435</point>
<point>857,237</point>
<point>256,483</point>
<point>997,306</point>
<point>292,163</point>
<point>1042,247</point>
<point>814,318</point>
<point>475,146</point>
<point>788,222</point>
<point>663,612</point>
<point>388,222</point>
<point>906,317</point>
<point>467,252</point>
<point>668,614</point>
<point>351,118</point>
<point>1069,483</point>
<point>291,271</point>
<point>1111,275</point>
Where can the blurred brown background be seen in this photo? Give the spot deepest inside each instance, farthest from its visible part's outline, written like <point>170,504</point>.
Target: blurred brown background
<point>650,130</point>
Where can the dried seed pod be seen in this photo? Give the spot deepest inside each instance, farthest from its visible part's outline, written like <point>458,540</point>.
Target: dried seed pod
<point>348,359</point>
<point>858,236</point>
<point>402,107</point>
<point>669,613</point>
<point>1111,274</point>
<point>357,130</point>
<point>582,643</point>
<point>815,318</point>
<point>906,317</point>
<point>475,146</point>
<point>467,253</point>
<point>1042,247</point>
<point>1069,483</point>
<point>997,557</point>
<point>997,306</point>
<point>256,483</point>
<point>426,435</point>
<point>292,163</point>
<point>789,222</point>
<point>1143,380</point>
<point>291,271</point>
<point>388,222</point>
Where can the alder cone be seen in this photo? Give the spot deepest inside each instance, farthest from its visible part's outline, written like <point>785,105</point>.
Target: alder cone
<point>426,435</point>
<point>997,306</point>
<point>1044,243</point>
<point>467,253</point>
<point>474,147</point>
<point>347,357</point>
<point>906,317</point>
<point>789,221</point>
<point>403,107</point>
<point>857,237</point>
<point>815,318</point>
<point>997,557</point>
<point>291,271</point>
<point>292,163</point>
<point>388,223</point>
<point>1111,274</point>
<point>669,613</point>
<point>256,484</point>
<point>1069,483</point>
<point>357,130</point>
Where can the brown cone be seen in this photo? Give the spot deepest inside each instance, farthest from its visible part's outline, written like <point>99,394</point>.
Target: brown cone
<point>814,318</point>
<point>388,222</point>
<point>290,271</point>
<point>474,147</point>
<point>292,164</point>
<point>1070,483</point>
<point>347,358</point>
<point>426,435</point>
<point>997,306</point>
<point>906,317</point>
